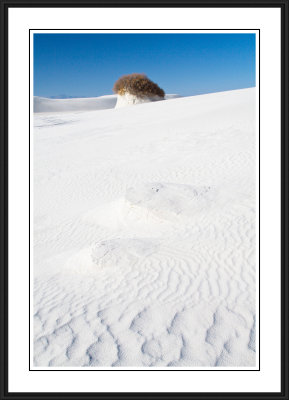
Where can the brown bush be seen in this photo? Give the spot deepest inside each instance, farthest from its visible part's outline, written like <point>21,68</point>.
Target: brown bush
<point>137,84</point>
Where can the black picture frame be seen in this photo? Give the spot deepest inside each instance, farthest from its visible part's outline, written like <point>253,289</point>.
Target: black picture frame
<point>283,5</point>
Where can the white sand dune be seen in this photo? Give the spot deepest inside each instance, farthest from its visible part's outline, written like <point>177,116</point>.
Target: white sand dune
<point>43,104</point>
<point>144,233</point>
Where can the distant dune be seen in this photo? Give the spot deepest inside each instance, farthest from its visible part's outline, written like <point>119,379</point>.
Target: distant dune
<point>43,104</point>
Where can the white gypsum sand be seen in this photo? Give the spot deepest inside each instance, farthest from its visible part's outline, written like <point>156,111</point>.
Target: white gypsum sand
<point>144,234</point>
<point>43,104</point>
<point>128,99</point>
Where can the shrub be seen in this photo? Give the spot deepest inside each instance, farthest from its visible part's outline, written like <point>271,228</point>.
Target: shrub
<point>137,84</point>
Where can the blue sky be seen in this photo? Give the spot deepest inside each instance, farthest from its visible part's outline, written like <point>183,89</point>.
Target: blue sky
<point>87,65</point>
